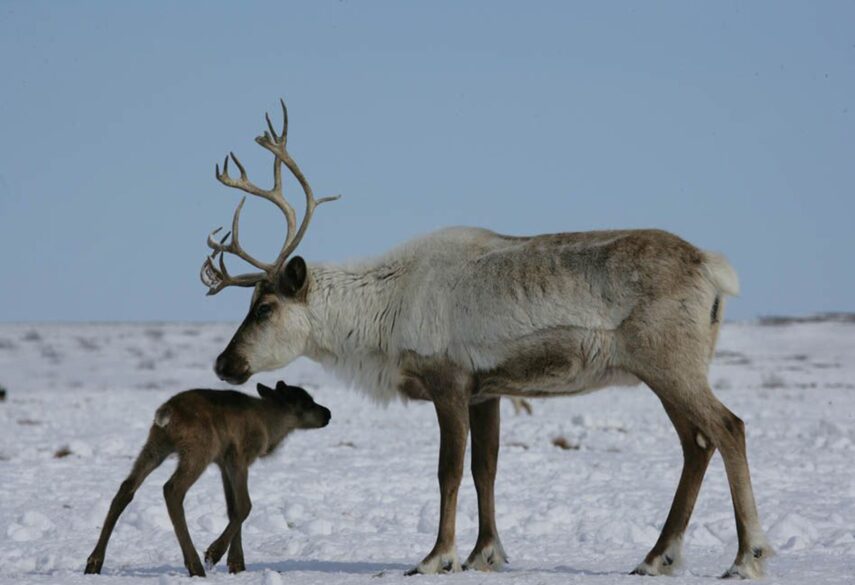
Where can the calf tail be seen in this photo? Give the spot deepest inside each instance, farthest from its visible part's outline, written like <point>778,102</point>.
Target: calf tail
<point>163,415</point>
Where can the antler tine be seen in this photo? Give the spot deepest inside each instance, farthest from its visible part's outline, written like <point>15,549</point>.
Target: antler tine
<point>273,195</point>
<point>218,278</point>
<point>277,145</point>
<point>284,120</point>
<point>248,279</point>
<point>234,247</point>
<point>311,204</point>
<point>214,244</point>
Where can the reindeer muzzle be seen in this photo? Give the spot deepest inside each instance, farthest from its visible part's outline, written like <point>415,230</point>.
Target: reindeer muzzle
<point>232,369</point>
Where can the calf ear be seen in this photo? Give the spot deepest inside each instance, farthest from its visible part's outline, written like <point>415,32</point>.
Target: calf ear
<point>281,386</point>
<point>293,277</point>
<point>265,392</point>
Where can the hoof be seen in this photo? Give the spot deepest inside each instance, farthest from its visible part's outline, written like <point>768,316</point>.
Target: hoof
<point>487,558</point>
<point>745,571</point>
<point>437,563</point>
<point>750,566</point>
<point>664,563</point>
<point>93,566</point>
<point>661,565</point>
<point>212,558</point>
<point>196,569</point>
<point>645,570</point>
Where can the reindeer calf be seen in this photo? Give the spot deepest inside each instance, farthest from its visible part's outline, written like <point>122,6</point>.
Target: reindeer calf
<point>228,428</point>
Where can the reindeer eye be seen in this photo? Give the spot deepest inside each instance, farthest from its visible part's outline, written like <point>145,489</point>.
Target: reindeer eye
<point>263,311</point>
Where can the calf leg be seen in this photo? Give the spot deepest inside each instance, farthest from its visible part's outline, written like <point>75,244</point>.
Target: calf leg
<point>188,471</point>
<point>235,558</point>
<point>697,452</point>
<point>488,553</point>
<point>239,505</point>
<point>151,456</point>
<point>453,415</point>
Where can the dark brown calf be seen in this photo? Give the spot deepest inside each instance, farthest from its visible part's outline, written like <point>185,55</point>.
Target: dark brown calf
<point>224,427</point>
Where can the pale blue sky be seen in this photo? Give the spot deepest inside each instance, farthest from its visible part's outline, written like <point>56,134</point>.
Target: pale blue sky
<point>729,123</point>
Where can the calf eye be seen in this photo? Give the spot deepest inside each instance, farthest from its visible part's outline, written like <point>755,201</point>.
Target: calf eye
<point>263,311</point>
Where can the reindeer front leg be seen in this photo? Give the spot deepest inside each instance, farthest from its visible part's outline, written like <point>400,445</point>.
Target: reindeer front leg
<point>452,412</point>
<point>488,554</point>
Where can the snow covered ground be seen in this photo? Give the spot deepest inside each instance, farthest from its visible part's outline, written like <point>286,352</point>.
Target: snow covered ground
<point>357,502</point>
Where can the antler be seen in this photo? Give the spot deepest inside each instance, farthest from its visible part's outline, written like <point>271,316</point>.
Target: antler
<point>276,145</point>
<point>216,277</point>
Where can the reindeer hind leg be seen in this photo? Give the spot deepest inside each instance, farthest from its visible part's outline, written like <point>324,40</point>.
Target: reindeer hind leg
<point>692,397</point>
<point>665,555</point>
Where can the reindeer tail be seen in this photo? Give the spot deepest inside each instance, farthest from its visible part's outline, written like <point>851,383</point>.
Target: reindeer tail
<point>721,274</point>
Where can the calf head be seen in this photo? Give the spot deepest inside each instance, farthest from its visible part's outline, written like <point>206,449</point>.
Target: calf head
<point>298,403</point>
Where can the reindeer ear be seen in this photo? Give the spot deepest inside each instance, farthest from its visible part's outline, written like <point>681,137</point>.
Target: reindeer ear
<point>265,392</point>
<point>292,278</point>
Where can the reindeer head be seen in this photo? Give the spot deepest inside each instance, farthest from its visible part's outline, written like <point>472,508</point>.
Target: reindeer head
<point>276,329</point>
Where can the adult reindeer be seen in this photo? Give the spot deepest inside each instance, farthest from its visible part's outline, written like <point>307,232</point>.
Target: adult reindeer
<point>463,316</point>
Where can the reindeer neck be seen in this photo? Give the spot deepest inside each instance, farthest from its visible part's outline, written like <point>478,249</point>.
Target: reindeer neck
<point>354,309</point>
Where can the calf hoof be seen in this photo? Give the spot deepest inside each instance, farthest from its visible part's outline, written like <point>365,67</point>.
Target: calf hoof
<point>212,557</point>
<point>93,566</point>
<point>195,569</point>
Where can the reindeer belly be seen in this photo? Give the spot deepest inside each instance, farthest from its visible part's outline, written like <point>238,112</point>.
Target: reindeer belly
<point>560,361</point>
<point>495,383</point>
